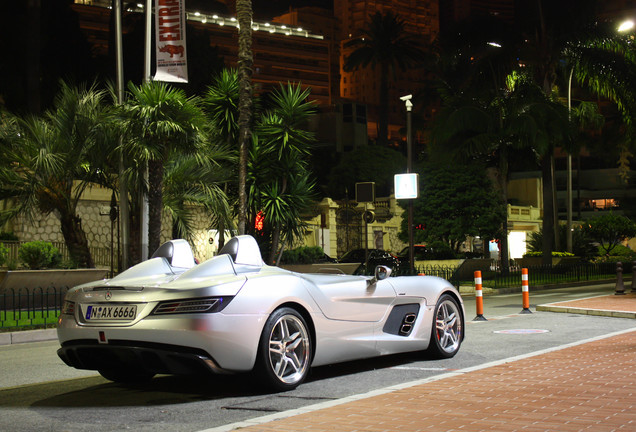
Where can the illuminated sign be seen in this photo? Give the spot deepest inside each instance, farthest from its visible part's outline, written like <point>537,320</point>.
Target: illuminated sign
<point>406,186</point>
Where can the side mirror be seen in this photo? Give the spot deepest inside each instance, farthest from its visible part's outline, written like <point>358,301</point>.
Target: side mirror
<point>381,273</point>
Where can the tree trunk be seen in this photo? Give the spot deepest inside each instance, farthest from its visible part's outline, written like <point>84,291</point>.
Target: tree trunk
<point>503,184</point>
<point>76,242</point>
<point>548,210</point>
<point>245,62</point>
<point>155,204</point>
<point>275,242</point>
<point>383,108</point>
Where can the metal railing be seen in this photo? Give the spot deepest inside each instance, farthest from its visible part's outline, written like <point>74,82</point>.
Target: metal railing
<point>541,275</point>
<point>555,274</point>
<point>30,308</point>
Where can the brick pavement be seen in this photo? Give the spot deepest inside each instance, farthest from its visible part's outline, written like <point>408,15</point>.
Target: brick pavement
<point>586,387</point>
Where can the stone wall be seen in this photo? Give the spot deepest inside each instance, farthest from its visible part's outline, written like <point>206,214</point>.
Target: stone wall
<point>95,215</point>
<point>96,222</point>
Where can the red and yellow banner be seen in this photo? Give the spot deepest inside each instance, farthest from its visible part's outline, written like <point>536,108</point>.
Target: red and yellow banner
<point>170,37</point>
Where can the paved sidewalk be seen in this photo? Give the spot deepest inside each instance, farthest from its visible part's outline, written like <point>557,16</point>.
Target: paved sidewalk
<point>590,386</point>
<point>620,306</point>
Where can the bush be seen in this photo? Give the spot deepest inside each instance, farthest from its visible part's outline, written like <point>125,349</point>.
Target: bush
<point>38,254</point>
<point>619,253</point>
<point>8,236</point>
<point>581,244</point>
<point>439,250</point>
<point>4,253</point>
<point>303,255</point>
<point>555,254</point>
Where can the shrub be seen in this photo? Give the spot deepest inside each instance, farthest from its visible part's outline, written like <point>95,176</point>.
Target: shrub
<point>619,253</point>
<point>8,236</point>
<point>303,255</point>
<point>38,254</point>
<point>555,254</point>
<point>581,244</point>
<point>439,250</point>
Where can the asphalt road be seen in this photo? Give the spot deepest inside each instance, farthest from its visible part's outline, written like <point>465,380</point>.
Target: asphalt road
<point>38,392</point>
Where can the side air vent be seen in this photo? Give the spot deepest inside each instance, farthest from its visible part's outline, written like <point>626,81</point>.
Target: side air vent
<point>402,319</point>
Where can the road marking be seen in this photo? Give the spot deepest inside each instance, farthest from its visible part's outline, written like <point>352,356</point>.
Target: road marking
<point>420,368</point>
<point>521,331</point>
<point>378,392</point>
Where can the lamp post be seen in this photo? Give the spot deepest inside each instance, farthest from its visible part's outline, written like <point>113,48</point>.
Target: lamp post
<point>124,214</point>
<point>409,169</point>
<point>569,175</point>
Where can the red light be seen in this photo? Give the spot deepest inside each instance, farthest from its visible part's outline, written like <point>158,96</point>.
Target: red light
<point>258,223</point>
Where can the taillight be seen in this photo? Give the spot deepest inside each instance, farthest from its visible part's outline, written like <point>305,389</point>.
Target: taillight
<point>68,308</point>
<point>202,305</point>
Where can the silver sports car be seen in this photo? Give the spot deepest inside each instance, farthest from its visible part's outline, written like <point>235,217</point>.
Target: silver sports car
<point>233,313</point>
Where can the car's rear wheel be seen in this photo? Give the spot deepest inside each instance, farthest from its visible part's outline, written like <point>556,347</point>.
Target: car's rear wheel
<point>284,352</point>
<point>448,327</point>
<point>125,376</point>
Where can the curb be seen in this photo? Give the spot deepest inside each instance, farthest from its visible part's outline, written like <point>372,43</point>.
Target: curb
<point>581,311</point>
<point>19,337</point>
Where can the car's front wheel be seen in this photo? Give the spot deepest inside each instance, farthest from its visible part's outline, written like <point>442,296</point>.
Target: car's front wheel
<point>448,327</point>
<point>284,352</point>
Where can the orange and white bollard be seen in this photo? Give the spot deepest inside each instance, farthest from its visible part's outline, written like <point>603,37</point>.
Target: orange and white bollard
<point>479,299</point>
<point>525,292</point>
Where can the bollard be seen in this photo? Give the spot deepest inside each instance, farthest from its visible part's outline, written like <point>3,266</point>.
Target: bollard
<point>633,277</point>
<point>525,292</point>
<point>479,299</point>
<point>620,288</point>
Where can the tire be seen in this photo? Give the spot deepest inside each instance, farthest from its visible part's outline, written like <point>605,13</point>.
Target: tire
<point>448,327</point>
<point>126,376</point>
<point>284,351</point>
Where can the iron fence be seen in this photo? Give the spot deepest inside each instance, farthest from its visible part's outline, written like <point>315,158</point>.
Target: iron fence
<point>494,277</point>
<point>557,274</point>
<point>30,308</point>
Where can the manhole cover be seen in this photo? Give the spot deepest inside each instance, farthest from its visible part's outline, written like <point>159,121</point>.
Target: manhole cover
<point>521,331</point>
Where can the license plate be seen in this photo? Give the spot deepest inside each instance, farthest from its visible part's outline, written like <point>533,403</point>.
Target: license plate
<point>110,312</point>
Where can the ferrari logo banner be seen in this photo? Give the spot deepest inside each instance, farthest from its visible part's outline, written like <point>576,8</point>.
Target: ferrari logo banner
<point>170,37</point>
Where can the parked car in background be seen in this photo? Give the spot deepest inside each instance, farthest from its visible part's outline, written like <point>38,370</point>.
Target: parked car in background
<point>376,257</point>
<point>420,252</point>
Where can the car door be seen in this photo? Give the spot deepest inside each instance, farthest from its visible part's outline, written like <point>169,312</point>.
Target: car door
<point>349,298</point>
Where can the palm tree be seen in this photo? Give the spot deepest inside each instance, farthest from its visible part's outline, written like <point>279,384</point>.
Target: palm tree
<point>221,102</point>
<point>551,36</point>
<point>198,179</point>
<point>498,125</point>
<point>159,121</point>
<point>245,62</point>
<point>384,43</point>
<point>48,162</point>
<point>601,60</point>
<point>279,179</point>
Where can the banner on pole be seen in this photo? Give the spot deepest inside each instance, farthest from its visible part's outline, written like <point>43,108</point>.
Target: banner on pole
<point>170,37</point>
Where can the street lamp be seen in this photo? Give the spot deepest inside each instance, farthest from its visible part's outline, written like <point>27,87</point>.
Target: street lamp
<point>626,25</point>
